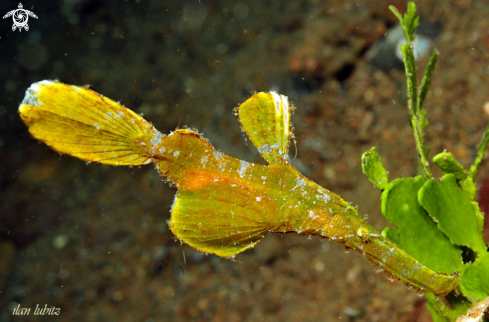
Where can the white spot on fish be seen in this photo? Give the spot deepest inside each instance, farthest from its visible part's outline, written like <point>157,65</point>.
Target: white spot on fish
<point>204,160</point>
<point>263,148</point>
<point>217,155</point>
<point>157,138</point>
<point>242,170</point>
<point>258,198</point>
<point>300,182</point>
<point>31,97</point>
<point>323,197</point>
<point>176,153</point>
<point>312,215</point>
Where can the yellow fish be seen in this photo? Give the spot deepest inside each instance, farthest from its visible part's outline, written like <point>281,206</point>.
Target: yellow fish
<point>223,205</point>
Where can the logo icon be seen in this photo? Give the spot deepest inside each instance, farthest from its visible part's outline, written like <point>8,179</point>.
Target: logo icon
<point>20,16</point>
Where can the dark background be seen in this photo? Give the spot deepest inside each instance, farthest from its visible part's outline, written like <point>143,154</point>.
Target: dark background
<point>93,239</point>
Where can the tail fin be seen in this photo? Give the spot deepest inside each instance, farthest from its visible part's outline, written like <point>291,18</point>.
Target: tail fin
<point>82,123</point>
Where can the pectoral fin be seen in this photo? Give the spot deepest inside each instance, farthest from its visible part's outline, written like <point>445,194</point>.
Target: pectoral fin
<point>218,218</point>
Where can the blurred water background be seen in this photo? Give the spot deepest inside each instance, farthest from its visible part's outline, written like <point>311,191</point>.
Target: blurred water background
<point>93,241</point>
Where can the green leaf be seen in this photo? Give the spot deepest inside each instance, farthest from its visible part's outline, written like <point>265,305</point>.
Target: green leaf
<point>423,122</point>
<point>448,164</point>
<point>396,12</point>
<point>468,187</point>
<point>411,81</point>
<point>425,83</point>
<point>480,153</point>
<point>458,305</point>
<point>474,282</point>
<point>435,313</point>
<point>455,215</point>
<point>374,170</point>
<point>409,22</point>
<point>434,306</point>
<point>441,311</point>
<point>479,217</point>
<point>266,119</point>
<point>417,233</point>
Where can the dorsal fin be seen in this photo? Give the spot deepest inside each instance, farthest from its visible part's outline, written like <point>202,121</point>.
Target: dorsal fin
<point>266,119</point>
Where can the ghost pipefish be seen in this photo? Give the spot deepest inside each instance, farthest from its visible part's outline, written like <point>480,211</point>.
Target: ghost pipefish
<point>223,205</point>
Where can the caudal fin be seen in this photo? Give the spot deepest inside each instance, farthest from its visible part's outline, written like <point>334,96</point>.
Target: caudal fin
<point>82,123</point>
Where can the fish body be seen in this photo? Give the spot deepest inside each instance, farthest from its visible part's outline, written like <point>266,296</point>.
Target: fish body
<point>223,205</point>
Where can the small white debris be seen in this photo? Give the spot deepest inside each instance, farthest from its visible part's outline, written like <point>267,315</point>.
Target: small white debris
<point>264,148</point>
<point>157,138</point>
<point>323,197</point>
<point>351,312</point>
<point>300,182</point>
<point>244,166</point>
<point>312,215</point>
<point>203,160</point>
<point>217,155</point>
